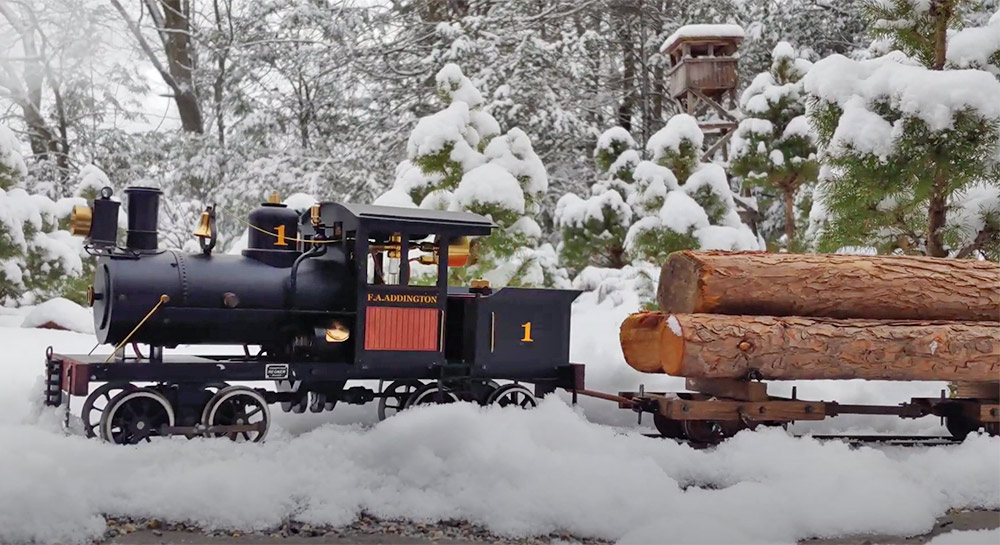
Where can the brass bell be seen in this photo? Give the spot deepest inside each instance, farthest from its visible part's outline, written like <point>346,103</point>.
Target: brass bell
<point>204,229</point>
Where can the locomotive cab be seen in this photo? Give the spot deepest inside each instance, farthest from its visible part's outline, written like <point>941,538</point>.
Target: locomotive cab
<point>400,258</point>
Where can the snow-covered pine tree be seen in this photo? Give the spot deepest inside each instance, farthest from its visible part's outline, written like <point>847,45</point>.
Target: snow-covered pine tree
<point>978,46</point>
<point>641,210</point>
<point>37,260</point>
<point>910,146</point>
<point>593,229</point>
<point>774,150</point>
<point>457,159</point>
<point>681,203</point>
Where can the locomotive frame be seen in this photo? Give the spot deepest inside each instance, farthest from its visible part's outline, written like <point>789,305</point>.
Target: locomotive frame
<point>431,343</point>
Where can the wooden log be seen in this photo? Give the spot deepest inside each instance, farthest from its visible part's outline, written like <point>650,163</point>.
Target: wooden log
<point>795,348</point>
<point>834,286</point>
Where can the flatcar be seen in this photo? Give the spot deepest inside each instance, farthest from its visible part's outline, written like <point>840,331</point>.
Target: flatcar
<point>315,300</point>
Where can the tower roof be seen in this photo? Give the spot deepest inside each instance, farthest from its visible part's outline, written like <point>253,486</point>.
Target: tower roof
<point>699,33</point>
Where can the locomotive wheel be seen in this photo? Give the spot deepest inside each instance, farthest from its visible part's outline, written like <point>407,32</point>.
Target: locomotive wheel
<point>671,429</point>
<point>236,406</point>
<point>430,394</point>
<point>710,431</point>
<point>298,406</point>
<point>134,416</point>
<point>395,397</point>
<point>318,402</point>
<point>96,403</point>
<point>513,395</point>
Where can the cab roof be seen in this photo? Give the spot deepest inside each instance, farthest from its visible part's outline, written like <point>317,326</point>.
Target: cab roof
<point>376,218</point>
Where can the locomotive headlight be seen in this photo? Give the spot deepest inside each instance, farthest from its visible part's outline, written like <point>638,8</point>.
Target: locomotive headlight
<point>337,333</point>
<point>80,220</point>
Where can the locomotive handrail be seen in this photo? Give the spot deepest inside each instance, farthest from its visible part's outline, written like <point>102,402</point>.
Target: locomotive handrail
<point>163,300</point>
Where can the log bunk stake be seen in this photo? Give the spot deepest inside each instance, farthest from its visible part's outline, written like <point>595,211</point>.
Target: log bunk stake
<point>731,320</point>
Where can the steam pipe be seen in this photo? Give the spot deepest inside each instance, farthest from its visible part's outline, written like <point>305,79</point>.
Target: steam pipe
<point>316,251</point>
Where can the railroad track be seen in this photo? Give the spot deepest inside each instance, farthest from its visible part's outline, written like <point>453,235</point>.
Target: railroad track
<point>853,440</point>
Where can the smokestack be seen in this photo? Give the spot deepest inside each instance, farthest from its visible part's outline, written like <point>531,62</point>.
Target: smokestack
<point>143,216</point>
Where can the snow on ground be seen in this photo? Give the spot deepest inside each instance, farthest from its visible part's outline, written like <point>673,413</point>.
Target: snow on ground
<point>586,470</point>
<point>62,313</point>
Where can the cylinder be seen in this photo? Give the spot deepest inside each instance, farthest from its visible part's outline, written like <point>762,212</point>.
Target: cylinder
<point>143,216</point>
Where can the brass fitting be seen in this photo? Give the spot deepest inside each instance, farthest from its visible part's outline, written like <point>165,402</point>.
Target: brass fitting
<point>80,220</point>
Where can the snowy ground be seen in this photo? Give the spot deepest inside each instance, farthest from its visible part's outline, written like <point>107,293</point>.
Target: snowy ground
<point>586,470</point>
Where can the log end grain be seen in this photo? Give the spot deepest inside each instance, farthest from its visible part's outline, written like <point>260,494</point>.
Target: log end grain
<point>640,340</point>
<point>680,284</point>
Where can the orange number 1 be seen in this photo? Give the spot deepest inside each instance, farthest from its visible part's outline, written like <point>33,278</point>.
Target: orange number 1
<point>281,236</point>
<point>526,326</point>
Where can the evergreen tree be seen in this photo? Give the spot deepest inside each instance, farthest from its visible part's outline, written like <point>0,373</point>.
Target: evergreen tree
<point>641,210</point>
<point>680,202</point>
<point>37,260</point>
<point>774,150</point>
<point>593,229</point>
<point>457,159</point>
<point>911,146</point>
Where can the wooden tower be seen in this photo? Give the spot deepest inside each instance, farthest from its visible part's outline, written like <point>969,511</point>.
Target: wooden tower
<point>704,77</point>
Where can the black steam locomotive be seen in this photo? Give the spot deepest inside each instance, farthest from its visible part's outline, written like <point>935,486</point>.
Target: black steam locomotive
<point>315,301</point>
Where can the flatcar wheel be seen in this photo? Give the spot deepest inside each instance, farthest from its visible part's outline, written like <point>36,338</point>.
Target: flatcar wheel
<point>993,428</point>
<point>669,428</point>
<point>959,426</point>
<point>238,406</point>
<point>513,395</point>
<point>395,397</point>
<point>431,394</point>
<point>710,432</point>
<point>134,416</point>
<point>97,402</point>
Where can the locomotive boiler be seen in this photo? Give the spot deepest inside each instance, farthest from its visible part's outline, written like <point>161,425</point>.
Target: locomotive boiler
<point>339,292</point>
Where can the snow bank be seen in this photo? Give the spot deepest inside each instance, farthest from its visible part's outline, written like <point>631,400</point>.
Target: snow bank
<point>518,473</point>
<point>703,30</point>
<point>62,313</point>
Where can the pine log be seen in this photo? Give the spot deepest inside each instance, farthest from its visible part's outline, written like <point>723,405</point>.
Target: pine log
<point>795,348</point>
<point>834,286</point>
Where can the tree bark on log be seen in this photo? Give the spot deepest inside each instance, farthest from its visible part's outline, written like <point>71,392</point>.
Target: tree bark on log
<point>834,286</point>
<point>795,348</point>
